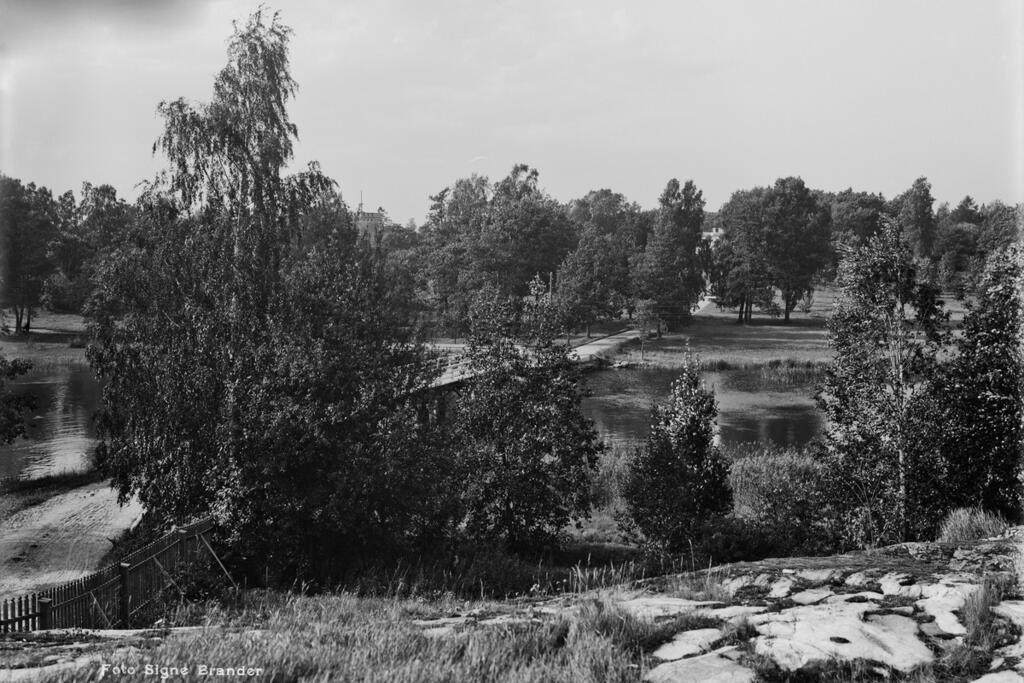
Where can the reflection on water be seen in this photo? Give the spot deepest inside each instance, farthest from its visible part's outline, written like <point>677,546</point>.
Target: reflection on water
<point>60,429</point>
<point>749,408</point>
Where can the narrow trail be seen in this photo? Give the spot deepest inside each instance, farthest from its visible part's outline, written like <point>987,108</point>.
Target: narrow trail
<point>62,538</point>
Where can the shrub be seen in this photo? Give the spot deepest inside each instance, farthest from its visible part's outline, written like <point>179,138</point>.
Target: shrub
<point>780,494</point>
<point>678,479</point>
<point>968,524</point>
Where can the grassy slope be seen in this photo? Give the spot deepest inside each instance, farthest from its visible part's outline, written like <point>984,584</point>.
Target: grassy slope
<point>344,637</point>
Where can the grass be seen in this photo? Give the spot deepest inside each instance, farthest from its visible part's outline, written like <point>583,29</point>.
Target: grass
<point>985,633</point>
<point>56,341</point>
<point>969,524</point>
<point>20,494</point>
<point>346,637</point>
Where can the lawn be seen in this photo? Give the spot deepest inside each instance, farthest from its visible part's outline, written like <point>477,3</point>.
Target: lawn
<point>721,343</point>
<point>56,339</point>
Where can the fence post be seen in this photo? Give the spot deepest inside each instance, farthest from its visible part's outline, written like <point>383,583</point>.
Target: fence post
<point>45,622</point>
<point>182,544</point>
<point>123,604</point>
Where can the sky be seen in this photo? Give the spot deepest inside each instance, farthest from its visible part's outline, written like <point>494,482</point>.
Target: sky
<point>399,99</point>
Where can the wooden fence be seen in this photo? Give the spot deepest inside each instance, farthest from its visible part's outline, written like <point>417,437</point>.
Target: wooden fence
<point>110,597</point>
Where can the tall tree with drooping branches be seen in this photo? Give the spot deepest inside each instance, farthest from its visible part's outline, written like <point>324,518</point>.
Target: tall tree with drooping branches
<point>257,362</point>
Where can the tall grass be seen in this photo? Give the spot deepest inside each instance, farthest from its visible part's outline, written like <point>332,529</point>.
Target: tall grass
<point>344,637</point>
<point>613,470</point>
<point>969,524</point>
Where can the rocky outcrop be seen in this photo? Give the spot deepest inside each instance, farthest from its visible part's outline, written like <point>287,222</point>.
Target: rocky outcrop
<point>897,611</point>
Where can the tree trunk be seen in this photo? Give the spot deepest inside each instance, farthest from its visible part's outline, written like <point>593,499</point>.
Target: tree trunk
<point>588,330</point>
<point>18,313</point>
<point>743,306</point>
<point>28,319</point>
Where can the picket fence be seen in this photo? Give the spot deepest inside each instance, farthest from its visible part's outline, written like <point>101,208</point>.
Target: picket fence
<point>110,597</point>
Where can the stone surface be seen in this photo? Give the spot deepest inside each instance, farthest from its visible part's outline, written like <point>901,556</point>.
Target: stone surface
<point>811,596</point>
<point>820,576</point>
<point>941,600</point>
<point>714,667</point>
<point>858,579</point>
<point>1013,611</point>
<point>734,613</point>
<point>761,580</point>
<point>781,588</point>
<point>860,596</point>
<point>799,636</point>
<point>655,607</point>
<point>688,643</point>
<point>1001,677</point>
<point>899,584</point>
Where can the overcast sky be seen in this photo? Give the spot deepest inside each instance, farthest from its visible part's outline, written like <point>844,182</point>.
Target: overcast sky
<point>399,99</point>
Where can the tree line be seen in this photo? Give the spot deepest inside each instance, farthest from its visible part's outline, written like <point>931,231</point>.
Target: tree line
<point>603,257</point>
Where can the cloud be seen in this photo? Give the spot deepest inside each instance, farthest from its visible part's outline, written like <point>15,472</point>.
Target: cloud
<point>32,25</point>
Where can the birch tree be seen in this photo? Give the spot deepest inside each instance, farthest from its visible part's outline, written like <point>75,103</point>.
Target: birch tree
<point>887,330</point>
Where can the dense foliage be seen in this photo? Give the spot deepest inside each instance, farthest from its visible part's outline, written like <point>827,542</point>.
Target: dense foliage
<point>678,481</point>
<point>27,223</point>
<point>920,421</point>
<point>780,495</point>
<point>527,451</point>
<point>247,375</point>
<point>775,238</point>
<point>887,331</point>
<point>979,403</point>
<point>12,407</point>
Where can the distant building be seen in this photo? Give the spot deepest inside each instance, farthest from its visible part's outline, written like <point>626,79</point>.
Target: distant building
<point>369,223</point>
<point>714,234</point>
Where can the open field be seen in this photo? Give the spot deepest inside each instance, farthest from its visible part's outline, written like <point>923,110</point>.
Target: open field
<point>721,343</point>
<point>56,339</point>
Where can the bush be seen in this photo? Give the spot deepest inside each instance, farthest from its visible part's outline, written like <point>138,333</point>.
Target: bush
<point>968,524</point>
<point>678,480</point>
<point>780,493</point>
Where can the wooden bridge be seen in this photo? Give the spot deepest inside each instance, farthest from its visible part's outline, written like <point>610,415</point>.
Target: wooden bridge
<point>454,368</point>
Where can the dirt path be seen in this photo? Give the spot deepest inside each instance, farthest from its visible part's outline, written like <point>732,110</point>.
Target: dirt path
<point>61,539</point>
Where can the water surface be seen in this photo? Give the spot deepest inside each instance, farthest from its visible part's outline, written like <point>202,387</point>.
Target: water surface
<point>750,407</point>
<point>60,429</point>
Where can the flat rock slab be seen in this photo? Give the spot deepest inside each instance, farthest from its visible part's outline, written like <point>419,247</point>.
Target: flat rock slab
<point>811,596</point>
<point>736,612</point>
<point>862,596</point>
<point>899,584</point>
<point>655,607</point>
<point>1001,677</point>
<point>715,667</point>
<point>858,579</point>
<point>781,588</point>
<point>761,580</point>
<point>688,643</point>
<point>941,600</point>
<point>799,636</point>
<point>1012,610</point>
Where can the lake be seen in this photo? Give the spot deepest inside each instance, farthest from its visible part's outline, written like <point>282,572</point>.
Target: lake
<point>752,405</point>
<point>60,429</point>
